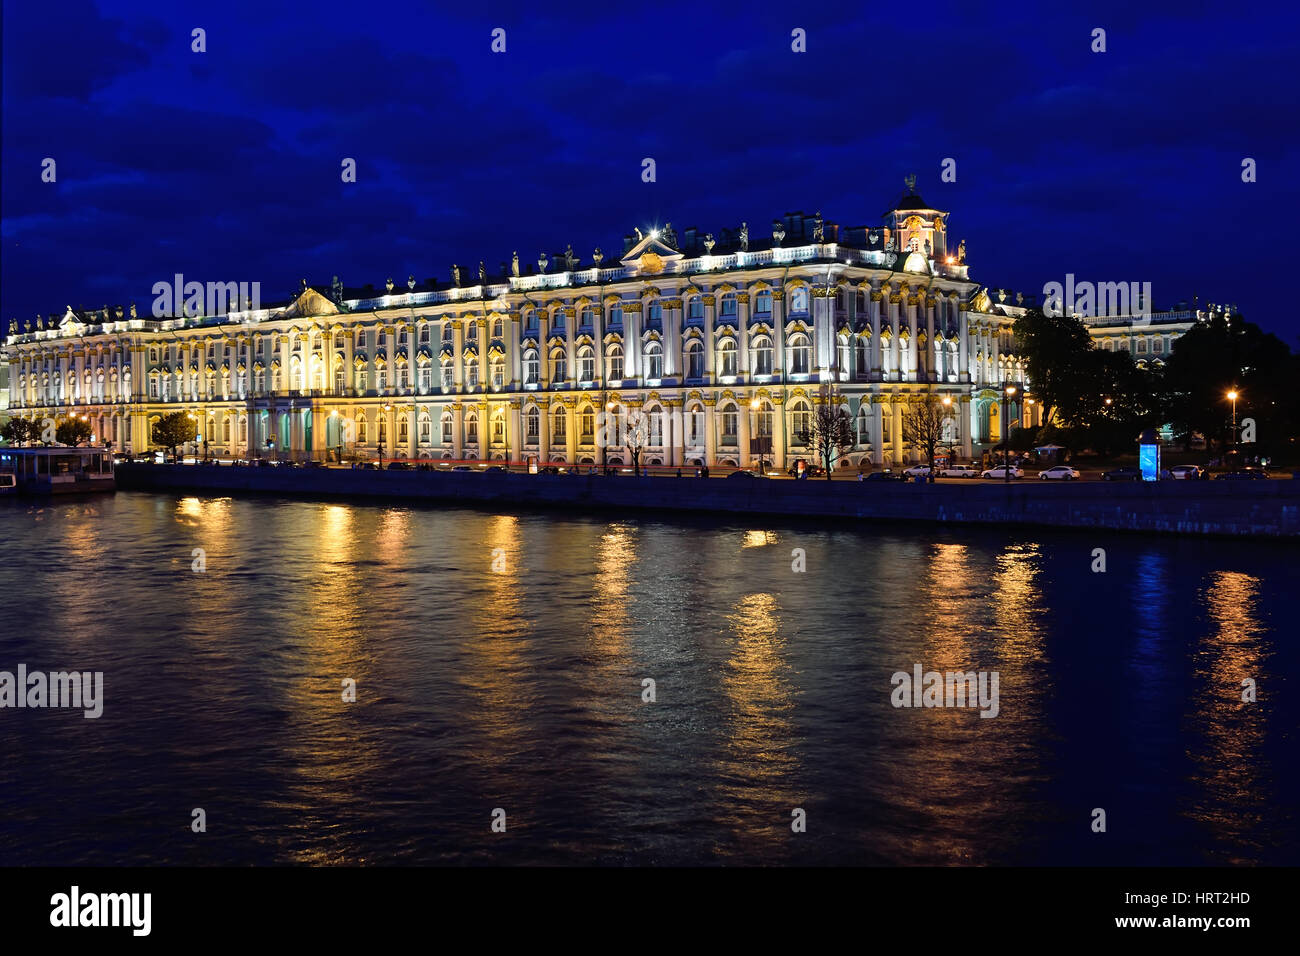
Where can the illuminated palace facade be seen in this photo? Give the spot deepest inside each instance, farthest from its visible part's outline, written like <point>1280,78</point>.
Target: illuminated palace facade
<point>719,348</point>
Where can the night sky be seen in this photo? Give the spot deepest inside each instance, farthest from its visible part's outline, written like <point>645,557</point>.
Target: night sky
<point>225,165</point>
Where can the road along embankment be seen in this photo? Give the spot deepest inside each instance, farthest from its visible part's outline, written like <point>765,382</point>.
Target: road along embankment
<point>1269,509</point>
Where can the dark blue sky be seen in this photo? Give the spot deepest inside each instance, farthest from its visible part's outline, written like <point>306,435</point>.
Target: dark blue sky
<point>225,165</point>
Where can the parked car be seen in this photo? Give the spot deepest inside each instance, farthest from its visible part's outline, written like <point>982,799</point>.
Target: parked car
<point>399,466</point>
<point>1059,473</point>
<point>917,471</point>
<point>462,468</point>
<point>1127,473</point>
<point>494,470</point>
<point>811,470</point>
<point>1187,473</point>
<point>744,475</point>
<point>1243,474</point>
<point>960,471</point>
<point>886,475</point>
<point>1002,471</point>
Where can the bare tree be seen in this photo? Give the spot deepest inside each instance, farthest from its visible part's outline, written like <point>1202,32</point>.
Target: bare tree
<point>636,433</point>
<point>830,431</point>
<point>923,425</point>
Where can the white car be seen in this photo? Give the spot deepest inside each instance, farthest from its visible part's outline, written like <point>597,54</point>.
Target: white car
<point>1059,473</point>
<point>1186,472</point>
<point>917,471</point>
<point>1002,471</point>
<point>960,471</point>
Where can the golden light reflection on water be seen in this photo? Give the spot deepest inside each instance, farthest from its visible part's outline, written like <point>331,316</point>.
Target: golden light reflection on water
<point>394,527</point>
<point>1236,786</point>
<point>949,607</point>
<point>761,745</point>
<point>759,539</point>
<point>498,634</point>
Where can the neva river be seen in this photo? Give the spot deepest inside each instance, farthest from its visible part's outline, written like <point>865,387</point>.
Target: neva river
<point>499,662</point>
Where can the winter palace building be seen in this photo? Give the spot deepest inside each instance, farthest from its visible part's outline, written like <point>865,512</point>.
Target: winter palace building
<point>719,348</point>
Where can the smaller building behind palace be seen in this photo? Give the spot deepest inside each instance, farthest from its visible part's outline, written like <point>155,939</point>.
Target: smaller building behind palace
<point>719,346</point>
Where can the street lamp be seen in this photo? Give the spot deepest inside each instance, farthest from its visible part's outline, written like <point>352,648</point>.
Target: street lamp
<point>382,432</point>
<point>1232,397</point>
<point>1007,391</point>
<point>604,445</point>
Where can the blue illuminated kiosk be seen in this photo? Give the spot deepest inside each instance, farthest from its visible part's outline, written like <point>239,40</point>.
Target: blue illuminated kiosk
<point>1149,455</point>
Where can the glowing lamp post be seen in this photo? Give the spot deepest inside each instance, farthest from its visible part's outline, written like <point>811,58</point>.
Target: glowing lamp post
<point>1232,397</point>
<point>1007,392</point>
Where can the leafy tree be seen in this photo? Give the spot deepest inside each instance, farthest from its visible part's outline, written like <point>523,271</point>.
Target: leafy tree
<point>1057,351</point>
<point>830,431</point>
<point>635,436</point>
<point>1221,355</point>
<point>72,431</point>
<point>20,431</point>
<point>172,430</point>
<point>923,425</point>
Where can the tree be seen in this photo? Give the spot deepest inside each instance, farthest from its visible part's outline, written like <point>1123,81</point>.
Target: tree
<point>1057,352</point>
<point>72,431</point>
<point>1227,353</point>
<point>923,425</point>
<point>636,432</point>
<point>830,431</point>
<point>172,430</point>
<point>20,431</point>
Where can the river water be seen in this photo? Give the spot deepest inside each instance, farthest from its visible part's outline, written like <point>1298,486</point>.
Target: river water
<point>499,662</point>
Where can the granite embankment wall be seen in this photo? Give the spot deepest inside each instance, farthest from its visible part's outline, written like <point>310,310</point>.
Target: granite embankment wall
<point>1237,509</point>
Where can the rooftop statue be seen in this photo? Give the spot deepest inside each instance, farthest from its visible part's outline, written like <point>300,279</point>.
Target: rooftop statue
<point>744,237</point>
<point>455,275</point>
<point>668,236</point>
<point>709,243</point>
<point>514,264</point>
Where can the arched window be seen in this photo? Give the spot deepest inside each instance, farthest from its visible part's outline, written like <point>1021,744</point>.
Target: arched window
<point>695,308</point>
<point>586,364</point>
<point>559,370</point>
<point>497,371</point>
<point>654,361</point>
<point>864,423</point>
<point>426,427</point>
<point>559,426</point>
<point>498,426</point>
<point>728,305</point>
<point>764,422</point>
<point>447,373</point>
<point>762,355</point>
<point>471,427</point>
<point>532,421</point>
<point>584,318</point>
<point>694,360</point>
<point>730,420</point>
<point>531,367</point>
<point>845,359</point>
<point>614,360</point>
<point>587,432</point>
<point>800,421</point>
<point>403,428</point>
<point>655,423</point>
<point>727,357</point>
<point>763,302</point>
<point>498,328</point>
<point>446,423</point>
<point>800,354</point>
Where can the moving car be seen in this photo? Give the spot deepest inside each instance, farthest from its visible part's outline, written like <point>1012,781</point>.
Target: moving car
<point>1059,473</point>
<point>1127,473</point>
<point>1243,474</point>
<point>398,466</point>
<point>886,475</point>
<point>917,471</point>
<point>494,470</point>
<point>1002,471</point>
<point>745,474</point>
<point>462,468</point>
<point>960,471</point>
<point>1187,472</point>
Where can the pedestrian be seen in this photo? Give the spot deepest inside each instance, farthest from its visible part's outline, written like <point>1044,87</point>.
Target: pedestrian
<point>679,472</point>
